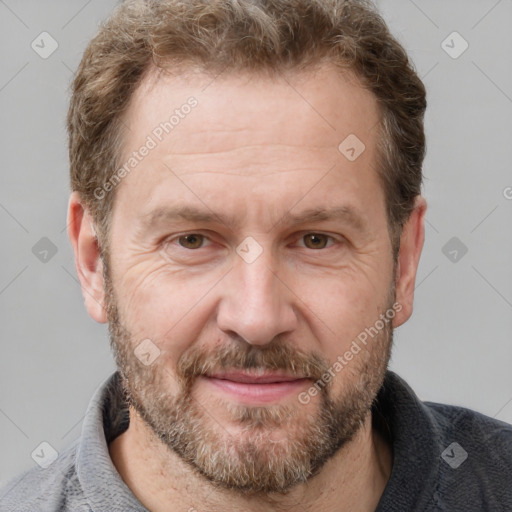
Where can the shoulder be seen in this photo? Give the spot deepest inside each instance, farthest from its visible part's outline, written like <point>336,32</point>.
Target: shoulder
<point>475,453</point>
<point>445,457</point>
<point>55,488</point>
<point>489,440</point>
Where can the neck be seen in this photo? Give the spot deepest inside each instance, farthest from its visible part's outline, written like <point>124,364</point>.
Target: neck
<point>353,480</point>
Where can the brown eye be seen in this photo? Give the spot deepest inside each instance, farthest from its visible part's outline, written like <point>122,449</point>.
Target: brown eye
<point>315,241</point>
<point>191,241</point>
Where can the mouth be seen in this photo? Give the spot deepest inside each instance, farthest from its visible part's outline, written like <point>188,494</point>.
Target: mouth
<point>253,387</point>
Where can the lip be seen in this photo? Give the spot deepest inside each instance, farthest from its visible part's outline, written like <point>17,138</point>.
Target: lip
<point>254,378</point>
<point>256,387</point>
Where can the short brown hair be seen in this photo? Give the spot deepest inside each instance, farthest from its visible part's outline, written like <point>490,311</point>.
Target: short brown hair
<point>244,35</point>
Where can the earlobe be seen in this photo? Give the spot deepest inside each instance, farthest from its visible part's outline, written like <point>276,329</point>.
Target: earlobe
<point>411,245</point>
<point>89,265</point>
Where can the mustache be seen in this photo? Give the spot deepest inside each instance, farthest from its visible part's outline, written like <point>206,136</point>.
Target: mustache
<point>275,356</point>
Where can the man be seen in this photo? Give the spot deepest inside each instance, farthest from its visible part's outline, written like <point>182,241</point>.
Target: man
<point>247,217</point>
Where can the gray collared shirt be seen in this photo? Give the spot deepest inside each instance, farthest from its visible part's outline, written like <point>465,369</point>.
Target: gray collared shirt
<point>445,458</point>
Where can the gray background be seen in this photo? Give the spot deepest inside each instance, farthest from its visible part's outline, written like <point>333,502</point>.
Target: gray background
<point>455,349</point>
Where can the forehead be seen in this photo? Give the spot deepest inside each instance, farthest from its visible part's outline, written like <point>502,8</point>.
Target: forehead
<point>261,138</point>
<point>324,102</point>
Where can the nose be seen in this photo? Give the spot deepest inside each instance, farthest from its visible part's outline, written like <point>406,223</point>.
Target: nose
<point>257,304</point>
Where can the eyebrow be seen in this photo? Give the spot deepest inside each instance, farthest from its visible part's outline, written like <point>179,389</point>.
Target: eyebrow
<point>183,213</point>
<point>345,214</point>
<point>166,215</point>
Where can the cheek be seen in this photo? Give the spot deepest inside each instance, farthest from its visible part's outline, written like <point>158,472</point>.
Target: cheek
<point>341,306</point>
<point>168,307</point>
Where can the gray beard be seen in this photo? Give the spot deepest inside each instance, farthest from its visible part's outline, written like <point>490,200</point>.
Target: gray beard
<point>253,462</point>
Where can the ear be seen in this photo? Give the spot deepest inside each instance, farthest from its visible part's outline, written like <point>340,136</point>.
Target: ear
<point>88,263</point>
<point>411,244</point>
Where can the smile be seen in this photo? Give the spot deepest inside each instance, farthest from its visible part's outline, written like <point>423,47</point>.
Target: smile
<point>250,387</point>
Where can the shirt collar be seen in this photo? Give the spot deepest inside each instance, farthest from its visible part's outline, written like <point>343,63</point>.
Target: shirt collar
<point>398,413</point>
<point>106,418</point>
<point>411,429</point>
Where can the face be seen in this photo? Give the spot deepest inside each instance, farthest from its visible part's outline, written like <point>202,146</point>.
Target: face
<point>248,257</point>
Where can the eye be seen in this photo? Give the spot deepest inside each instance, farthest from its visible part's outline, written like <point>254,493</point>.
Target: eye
<point>192,241</point>
<point>317,240</point>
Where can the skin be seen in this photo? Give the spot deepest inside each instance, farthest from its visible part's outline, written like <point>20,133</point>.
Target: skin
<point>254,150</point>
